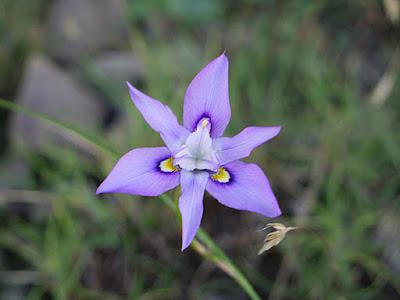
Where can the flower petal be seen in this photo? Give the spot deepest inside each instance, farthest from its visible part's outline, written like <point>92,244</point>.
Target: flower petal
<point>208,96</point>
<point>240,146</point>
<point>138,173</point>
<point>247,189</point>
<point>160,117</point>
<point>193,185</point>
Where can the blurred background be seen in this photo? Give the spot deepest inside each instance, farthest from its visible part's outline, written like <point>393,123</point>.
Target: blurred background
<point>327,70</point>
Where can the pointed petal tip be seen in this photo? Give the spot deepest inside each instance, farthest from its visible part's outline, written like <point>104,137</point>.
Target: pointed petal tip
<point>100,189</point>
<point>130,86</point>
<point>278,128</point>
<point>276,214</point>
<point>270,213</point>
<point>134,92</point>
<point>132,89</point>
<point>273,213</point>
<point>184,247</point>
<point>186,242</point>
<point>224,56</point>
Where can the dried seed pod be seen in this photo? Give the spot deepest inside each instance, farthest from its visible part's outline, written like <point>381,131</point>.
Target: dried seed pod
<point>275,237</point>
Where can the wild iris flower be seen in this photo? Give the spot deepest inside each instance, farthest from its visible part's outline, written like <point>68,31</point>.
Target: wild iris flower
<point>196,156</point>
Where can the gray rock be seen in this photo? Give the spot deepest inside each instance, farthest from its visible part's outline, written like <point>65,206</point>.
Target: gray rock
<point>114,69</point>
<point>119,66</point>
<point>81,27</point>
<point>48,89</point>
<point>12,292</point>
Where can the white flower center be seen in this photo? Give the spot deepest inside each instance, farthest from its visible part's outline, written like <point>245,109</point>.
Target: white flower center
<point>197,153</point>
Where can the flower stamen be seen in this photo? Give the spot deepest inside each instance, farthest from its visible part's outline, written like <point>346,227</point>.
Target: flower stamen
<point>204,123</point>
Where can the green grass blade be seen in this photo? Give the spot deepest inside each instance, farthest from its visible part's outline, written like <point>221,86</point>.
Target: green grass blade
<point>90,141</point>
<point>235,272</point>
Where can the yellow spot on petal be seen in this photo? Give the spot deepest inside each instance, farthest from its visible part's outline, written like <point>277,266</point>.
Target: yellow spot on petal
<point>167,165</point>
<point>222,175</point>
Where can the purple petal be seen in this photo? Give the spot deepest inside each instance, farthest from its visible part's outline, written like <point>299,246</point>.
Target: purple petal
<point>208,96</point>
<point>247,189</point>
<point>138,173</point>
<point>160,117</point>
<point>241,145</point>
<point>193,185</point>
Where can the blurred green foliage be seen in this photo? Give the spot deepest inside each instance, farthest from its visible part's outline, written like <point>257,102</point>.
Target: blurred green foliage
<point>335,167</point>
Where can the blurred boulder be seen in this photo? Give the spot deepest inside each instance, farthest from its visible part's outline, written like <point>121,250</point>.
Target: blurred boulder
<point>48,89</point>
<point>118,67</point>
<point>11,292</point>
<point>81,27</point>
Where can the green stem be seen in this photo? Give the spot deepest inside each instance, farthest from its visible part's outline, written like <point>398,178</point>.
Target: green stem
<point>206,247</point>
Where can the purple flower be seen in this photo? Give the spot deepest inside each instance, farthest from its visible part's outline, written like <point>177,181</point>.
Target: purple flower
<point>196,156</point>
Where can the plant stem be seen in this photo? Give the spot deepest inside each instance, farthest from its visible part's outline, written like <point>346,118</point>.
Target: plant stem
<point>204,245</point>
